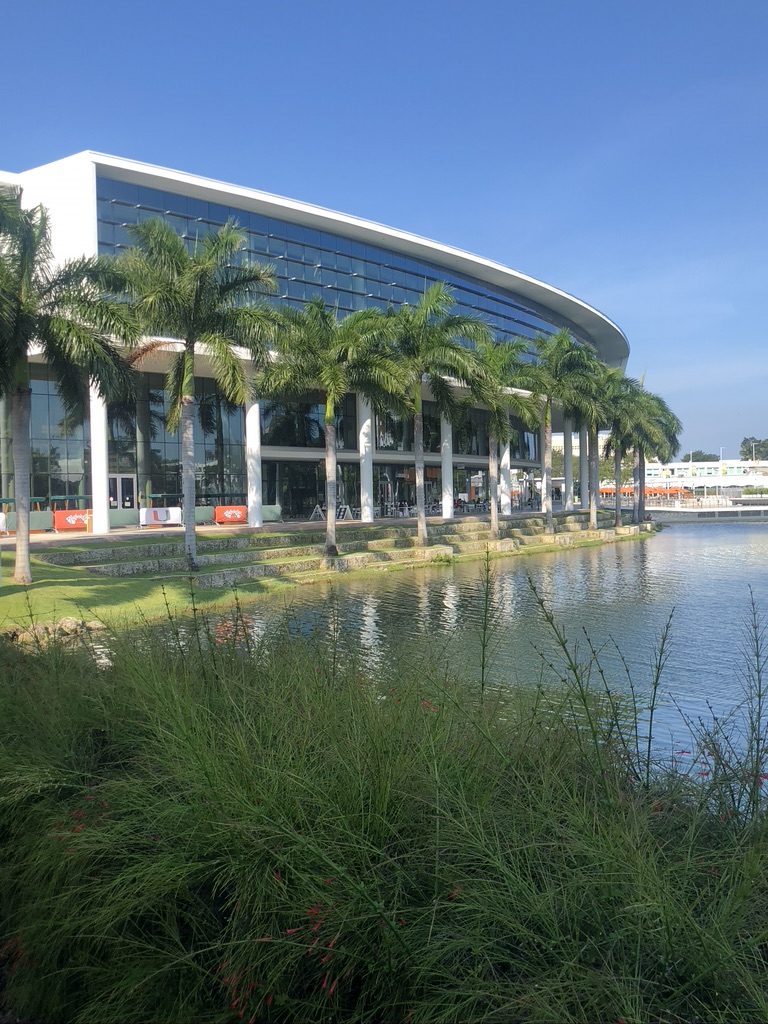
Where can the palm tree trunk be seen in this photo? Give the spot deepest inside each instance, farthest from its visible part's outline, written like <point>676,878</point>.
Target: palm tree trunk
<point>546,468</point>
<point>330,550</point>
<point>568,464</point>
<point>617,482</point>
<point>493,473</point>
<point>636,486</point>
<point>418,450</point>
<point>220,470</point>
<point>641,473</point>
<point>21,404</point>
<point>594,480</point>
<point>188,478</point>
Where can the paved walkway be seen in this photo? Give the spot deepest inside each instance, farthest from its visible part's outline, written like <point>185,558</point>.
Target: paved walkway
<point>40,541</point>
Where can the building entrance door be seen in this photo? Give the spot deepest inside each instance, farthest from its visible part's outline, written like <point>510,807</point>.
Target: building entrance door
<point>122,491</point>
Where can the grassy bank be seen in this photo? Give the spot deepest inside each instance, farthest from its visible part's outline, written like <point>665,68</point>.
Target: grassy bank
<point>218,829</point>
<point>60,591</point>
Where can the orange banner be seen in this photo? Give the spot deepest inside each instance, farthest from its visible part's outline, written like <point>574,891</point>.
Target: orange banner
<point>230,514</point>
<point>72,520</point>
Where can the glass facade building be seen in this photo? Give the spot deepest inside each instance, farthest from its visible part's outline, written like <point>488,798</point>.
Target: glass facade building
<point>272,453</point>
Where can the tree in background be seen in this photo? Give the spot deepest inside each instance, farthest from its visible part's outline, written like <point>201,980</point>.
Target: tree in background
<point>63,310</point>
<point>656,433</point>
<point>428,344</point>
<point>503,364</point>
<point>318,351</point>
<point>207,300</point>
<point>697,455</point>
<point>566,373</point>
<point>754,448</point>
<point>624,403</point>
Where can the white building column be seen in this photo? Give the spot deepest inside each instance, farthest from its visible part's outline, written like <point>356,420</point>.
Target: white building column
<point>365,447</point>
<point>584,467</point>
<point>504,480</point>
<point>568,464</point>
<point>446,466</point>
<point>253,462</point>
<point>97,409</point>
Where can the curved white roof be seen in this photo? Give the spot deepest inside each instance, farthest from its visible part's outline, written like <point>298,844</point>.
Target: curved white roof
<point>610,342</point>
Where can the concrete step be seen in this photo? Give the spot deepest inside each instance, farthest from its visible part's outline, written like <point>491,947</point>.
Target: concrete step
<point>296,568</point>
<point>252,555</point>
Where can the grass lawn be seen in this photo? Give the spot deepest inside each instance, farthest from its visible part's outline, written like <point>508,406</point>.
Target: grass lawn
<point>60,591</point>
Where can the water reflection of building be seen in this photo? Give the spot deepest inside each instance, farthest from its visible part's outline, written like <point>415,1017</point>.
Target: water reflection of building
<point>271,452</point>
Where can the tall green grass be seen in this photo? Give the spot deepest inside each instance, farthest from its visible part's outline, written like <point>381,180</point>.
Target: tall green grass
<point>218,829</point>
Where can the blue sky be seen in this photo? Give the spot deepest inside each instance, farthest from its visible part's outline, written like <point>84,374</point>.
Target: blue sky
<point>617,150</point>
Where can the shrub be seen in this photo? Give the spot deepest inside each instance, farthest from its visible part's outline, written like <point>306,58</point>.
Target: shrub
<point>215,828</point>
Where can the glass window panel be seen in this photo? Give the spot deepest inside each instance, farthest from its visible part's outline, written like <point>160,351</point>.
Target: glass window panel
<point>257,244</point>
<point>311,237</point>
<point>38,423</point>
<point>275,246</point>
<point>179,224</point>
<point>217,213</point>
<point>238,216</point>
<point>294,250</point>
<point>197,209</point>
<point>258,222</point>
<point>292,232</point>
<point>122,190</point>
<point>150,198</point>
<point>130,214</point>
<point>107,211</point>
<point>174,203</point>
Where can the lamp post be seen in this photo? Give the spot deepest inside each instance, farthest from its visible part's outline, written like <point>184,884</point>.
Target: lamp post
<point>753,450</point>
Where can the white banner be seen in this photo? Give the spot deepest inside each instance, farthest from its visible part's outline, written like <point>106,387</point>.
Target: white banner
<point>159,517</point>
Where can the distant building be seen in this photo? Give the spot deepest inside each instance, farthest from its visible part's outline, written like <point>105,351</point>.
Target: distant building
<point>719,474</point>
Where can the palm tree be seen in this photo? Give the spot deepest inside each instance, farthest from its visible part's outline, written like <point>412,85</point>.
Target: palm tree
<point>623,402</point>
<point>655,432</point>
<point>206,299</point>
<point>564,374</point>
<point>61,311</point>
<point>503,364</point>
<point>429,350</point>
<point>318,351</point>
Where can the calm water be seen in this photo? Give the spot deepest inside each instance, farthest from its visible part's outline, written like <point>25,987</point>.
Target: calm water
<point>622,595</point>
